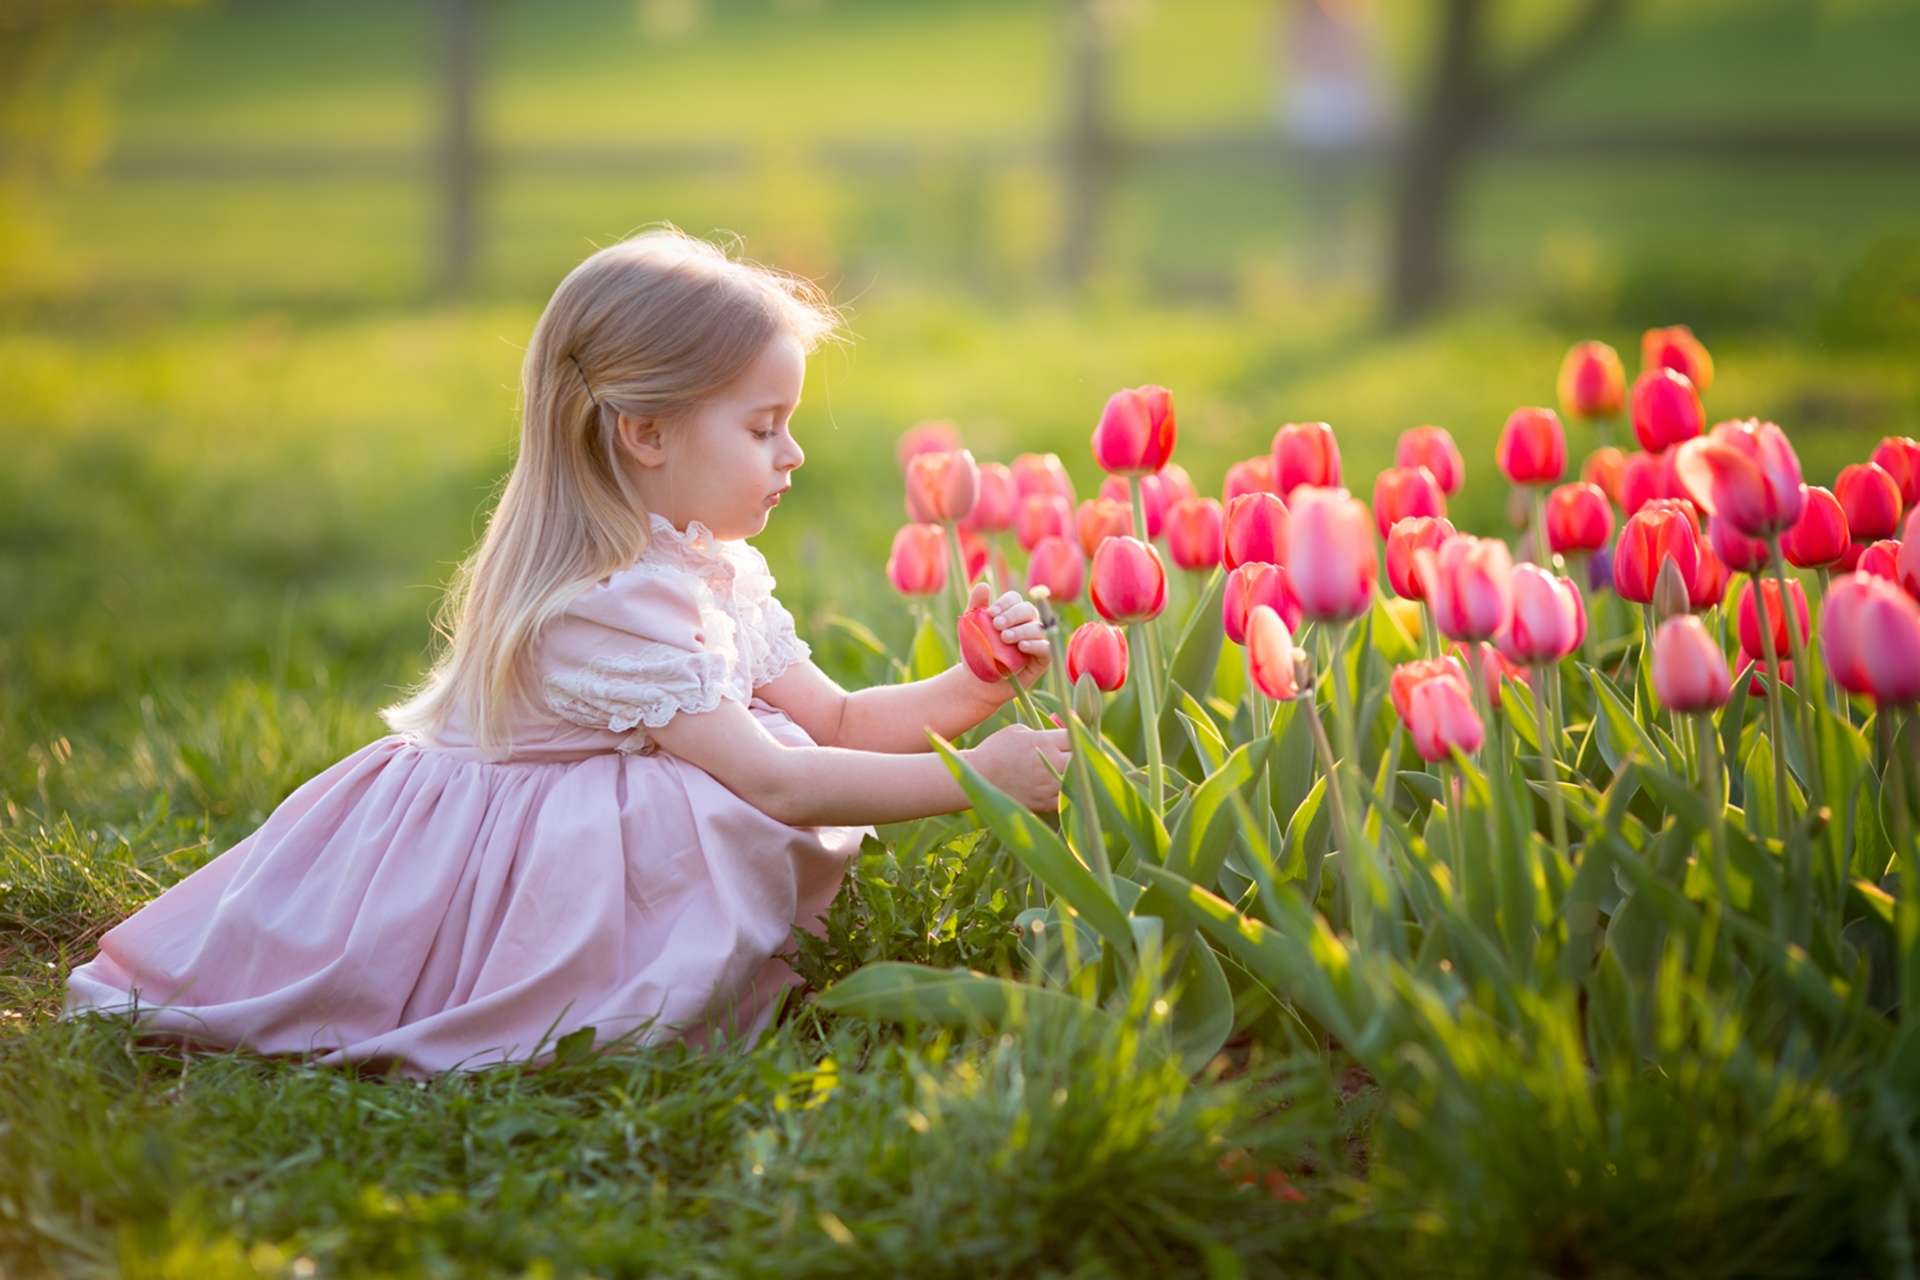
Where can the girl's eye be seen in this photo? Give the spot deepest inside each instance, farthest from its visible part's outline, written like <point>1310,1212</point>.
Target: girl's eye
<point>764,435</point>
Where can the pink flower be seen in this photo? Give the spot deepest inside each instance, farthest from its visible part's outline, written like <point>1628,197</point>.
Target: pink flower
<point>1330,554</point>
<point>1676,348</point>
<point>1041,515</point>
<point>1404,540</point>
<point>1593,384</point>
<point>1820,537</point>
<point>1255,475</point>
<point>1737,551</point>
<point>1745,473</point>
<point>1689,671</point>
<point>1057,565</point>
<point>942,487</point>
<point>1662,530</point>
<point>1579,518</point>
<point>1099,519</point>
<point>1129,582</point>
<point>1153,492</point>
<point>1195,533</point>
<point>1271,655</point>
<point>1643,479</point>
<point>926,437</point>
<point>993,508</point>
<point>1437,708</point>
<point>1881,559</point>
<point>1401,493</point>
<point>1432,448</point>
<point>1548,621</point>
<point>1305,453</point>
<point>1251,586</point>
<point>1899,457</point>
<point>987,656</point>
<point>1602,470</point>
<point>1098,649</point>
<point>1532,448</point>
<point>1871,630</point>
<point>1871,500</point>
<point>917,565</point>
<point>1136,431</point>
<point>1256,529</point>
<point>1469,586</point>
<point>1042,473</point>
<point>1666,410</point>
<point>1751,638</point>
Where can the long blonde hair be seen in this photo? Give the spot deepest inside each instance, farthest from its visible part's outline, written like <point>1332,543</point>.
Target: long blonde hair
<point>649,326</point>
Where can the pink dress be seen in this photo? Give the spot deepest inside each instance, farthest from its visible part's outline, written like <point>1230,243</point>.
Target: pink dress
<point>419,905</point>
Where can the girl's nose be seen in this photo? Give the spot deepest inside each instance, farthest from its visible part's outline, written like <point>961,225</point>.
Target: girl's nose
<point>793,455</point>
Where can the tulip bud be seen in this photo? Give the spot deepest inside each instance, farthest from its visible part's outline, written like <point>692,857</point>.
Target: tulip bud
<point>1042,473</point>
<point>1330,554</point>
<point>1579,518</point>
<point>1745,473</point>
<point>1676,348</point>
<point>1532,448</point>
<point>1643,479</point>
<point>1666,410</point>
<point>1255,475</point>
<point>1271,655</point>
<point>987,656</point>
<point>1689,671</point>
<point>1087,701</point>
<point>1548,621</point>
<point>1748,614</point>
<point>1657,533</point>
<point>1252,586</point>
<point>1670,594</point>
<point>1098,651</point>
<point>1469,586</point>
<point>1404,540</point>
<point>1738,552</point>
<point>1256,530</point>
<point>1899,457</point>
<point>1305,453</point>
<point>1593,384</point>
<point>1153,494</point>
<point>1871,500</point>
<point>1602,470</point>
<point>1402,493</point>
<point>1195,533</point>
<point>1101,518</point>
<point>993,507</point>
<point>1129,584</point>
<point>1432,448</point>
<point>1820,536</point>
<point>1871,631</point>
<point>1041,515</point>
<point>1058,566</point>
<point>1881,559</point>
<point>1136,432</point>
<point>942,487</point>
<point>1439,716</point>
<point>926,437</point>
<point>917,565</point>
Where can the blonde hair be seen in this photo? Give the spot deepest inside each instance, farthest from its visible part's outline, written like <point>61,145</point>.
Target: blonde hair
<point>649,326</point>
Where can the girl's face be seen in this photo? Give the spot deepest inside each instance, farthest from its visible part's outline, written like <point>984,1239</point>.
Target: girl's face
<point>725,462</point>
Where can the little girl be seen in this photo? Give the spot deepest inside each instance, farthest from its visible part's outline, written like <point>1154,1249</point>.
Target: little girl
<point>624,782</point>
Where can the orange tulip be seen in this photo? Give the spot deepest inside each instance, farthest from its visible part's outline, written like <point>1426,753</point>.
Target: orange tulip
<point>942,487</point>
<point>1602,469</point>
<point>1099,519</point>
<point>1676,348</point>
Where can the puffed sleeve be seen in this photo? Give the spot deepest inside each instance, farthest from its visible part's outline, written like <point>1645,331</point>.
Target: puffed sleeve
<point>638,648</point>
<point>769,643</point>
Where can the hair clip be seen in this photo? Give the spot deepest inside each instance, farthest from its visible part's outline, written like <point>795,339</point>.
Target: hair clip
<point>583,380</point>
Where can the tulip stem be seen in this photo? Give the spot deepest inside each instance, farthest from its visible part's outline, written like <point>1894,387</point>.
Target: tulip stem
<point>959,570</point>
<point>1797,649</point>
<point>1428,635</point>
<point>1026,703</point>
<point>1776,723</point>
<point>1713,781</point>
<point>1908,917</point>
<point>1542,554</point>
<point>1150,725</point>
<point>1836,696</point>
<point>1550,757</point>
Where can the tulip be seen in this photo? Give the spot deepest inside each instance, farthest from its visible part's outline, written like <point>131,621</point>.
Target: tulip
<point>974,552</point>
<point>1255,475</point>
<point>1653,535</point>
<point>1494,668</point>
<point>1593,383</point>
<point>1738,552</point>
<point>1432,448</point>
<point>1666,410</point>
<point>1871,629</point>
<point>988,656</point>
<point>1251,586</point>
<point>1100,651</point>
<point>1042,473</point>
<point>1548,620</point>
<point>1532,448</point>
<point>1404,492</point>
<point>926,437</point>
<point>1058,566</point>
<point>1129,582</point>
<point>1469,586</point>
<point>1196,533</point>
<point>1602,470</point>
<point>1404,540</point>
<point>1755,670</point>
<point>1135,434</point>
<point>1305,453</point>
<point>1256,530</point>
<point>1689,671</point>
<point>1409,674</point>
<point>1579,518</point>
<point>1708,587</point>
<point>1041,515</point>
<point>1745,473</point>
<point>1820,536</point>
<point>1642,480</point>
<point>1907,561</point>
<point>993,507</point>
<point>1099,519</point>
<point>1871,500</point>
<point>942,487</point>
<point>1776,641</point>
<point>1899,457</point>
<point>1440,717</point>
<point>1177,484</point>
<point>1272,655</point>
<point>1153,494</point>
<point>1881,559</point>
<point>917,565</point>
<point>1331,555</point>
<point>1676,348</point>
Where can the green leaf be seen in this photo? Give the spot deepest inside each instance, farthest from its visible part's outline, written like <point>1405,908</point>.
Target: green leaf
<point>1620,732</point>
<point>914,993</point>
<point>928,656</point>
<point>1196,655</point>
<point>1199,840</point>
<point>1120,802</point>
<point>1202,733</point>
<point>1202,1007</point>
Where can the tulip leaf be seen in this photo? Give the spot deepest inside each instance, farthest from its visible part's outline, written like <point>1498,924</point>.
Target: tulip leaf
<point>1208,745</point>
<point>1202,1006</point>
<point>1620,733</point>
<point>911,993</point>
<point>1198,843</point>
<point>1196,654</point>
<point>1121,803</point>
<point>928,657</point>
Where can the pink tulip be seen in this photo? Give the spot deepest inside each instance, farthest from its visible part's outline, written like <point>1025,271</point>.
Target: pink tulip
<point>1271,655</point>
<point>1439,715</point>
<point>1305,453</point>
<point>1689,671</point>
<point>1255,475</point>
<point>1057,565</point>
<point>1041,515</point>
<point>1548,621</point>
<point>1738,552</point>
<point>1666,410</point>
<point>1532,448</point>
<point>1643,479</point>
<point>1098,650</point>
<point>1042,473</point>
<point>1579,518</point>
<point>1593,384</point>
<point>1662,530</point>
<point>942,487</point>
<point>1469,586</point>
<point>1136,431</point>
<point>1404,541</point>
<point>1899,457</point>
<point>1676,348</point>
<point>1871,630</point>
<point>974,552</point>
<point>1099,519</point>
<point>1432,448</point>
<point>1129,582</point>
<point>926,437</point>
<point>1871,500</point>
<point>1177,484</point>
<point>1251,586</point>
<point>1881,559</point>
<point>1907,561</point>
<point>993,507</point>
<point>1196,533</point>
<point>1748,614</point>
<point>917,565</point>
<point>1153,492</point>
<point>1330,554</point>
<point>1602,470</point>
<point>1745,473</point>
<point>1401,493</point>
<point>1409,674</point>
<point>1820,537</point>
<point>1256,530</point>
<point>987,656</point>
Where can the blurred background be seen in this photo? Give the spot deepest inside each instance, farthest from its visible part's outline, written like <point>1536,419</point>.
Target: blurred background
<point>266,265</point>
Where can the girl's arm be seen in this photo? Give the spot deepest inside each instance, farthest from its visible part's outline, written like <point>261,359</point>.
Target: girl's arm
<point>896,718</point>
<point>832,786</point>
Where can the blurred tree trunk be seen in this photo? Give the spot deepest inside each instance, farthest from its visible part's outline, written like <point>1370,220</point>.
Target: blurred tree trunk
<point>459,148</point>
<point>1467,98</point>
<point>1089,148</point>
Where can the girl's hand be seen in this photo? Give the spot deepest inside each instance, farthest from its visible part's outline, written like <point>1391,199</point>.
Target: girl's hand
<point>1019,625</point>
<point>1025,763</point>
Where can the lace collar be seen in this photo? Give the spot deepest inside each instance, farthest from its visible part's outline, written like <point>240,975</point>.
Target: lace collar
<point>696,549</point>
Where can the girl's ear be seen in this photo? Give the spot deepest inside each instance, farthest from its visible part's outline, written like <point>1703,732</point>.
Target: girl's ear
<point>642,440</point>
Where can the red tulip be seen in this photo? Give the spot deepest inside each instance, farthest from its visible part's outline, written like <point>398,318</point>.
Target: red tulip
<point>1404,492</point>
<point>974,551</point>
<point>1404,540</point>
<point>1871,500</point>
<point>1881,559</point>
<point>1602,470</point>
<point>1305,453</point>
<point>1643,479</point>
<point>1495,668</point>
<point>1899,457</point>
<point>1871,630</point>
<point>1136,431</point>
<point>942,487</point>
<point>1432,448</point>
<point>1745,473</point>
<point>1099,519</point>
<point>1129,582</point>
<point>1251,585</point>
<point>988,656</point>
<point>1820,536</point>
<point>1256,529</point>
<point>993,507</point>
<point>1676,348</point>
<point>1532,448</point>
<point>917,565</point>
<point>1196,533</point>
<point>1707,588</point>
<point>1098,650</point>
<point>1658,532</point>
<point>1738,552</point>
<point>1057,565</point>
<point>1469,586</point>
<point>1177,484</point>
<point>1548,621</point>
<point>1330,554</point>
<point>1754,671</point>
<point>926,437</point>
<point>1666,410</point>
<point>1751,638</point>
<point>1271,655</point>
<point>1689,671</point>
<point>1593,384</point>
<point>1439,715</point>
<point>1907,561</point>
<point>1042,473</point>
<point>1041,515</point>
<point>1152,492</point>
<point>1255,475</point>
<point>1579,518</point>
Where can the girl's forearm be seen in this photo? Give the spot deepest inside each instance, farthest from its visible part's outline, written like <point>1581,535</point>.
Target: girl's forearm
<point>833,786</point>
<point>896,718</point>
